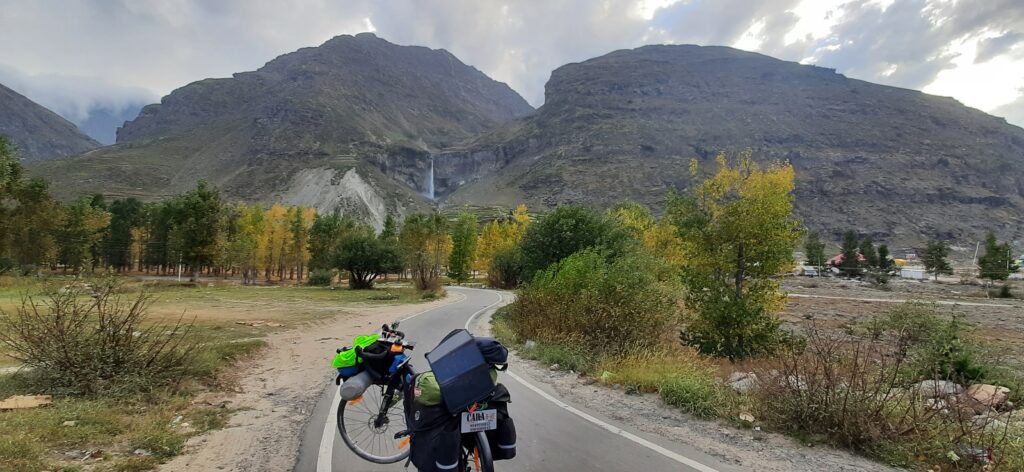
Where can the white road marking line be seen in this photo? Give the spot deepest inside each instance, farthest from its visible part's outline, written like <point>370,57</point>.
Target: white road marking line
<point>325,458</point>
<point>613,429</point>
<point>601,424</point>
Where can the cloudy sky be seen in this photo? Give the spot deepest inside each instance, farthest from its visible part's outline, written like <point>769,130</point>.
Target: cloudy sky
<point>100,60</point>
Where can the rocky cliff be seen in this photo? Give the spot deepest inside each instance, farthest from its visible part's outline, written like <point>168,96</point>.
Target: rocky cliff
<point>896,163</point>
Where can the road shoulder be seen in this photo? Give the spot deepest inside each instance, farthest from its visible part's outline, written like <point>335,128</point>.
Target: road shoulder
<point>278,392</point>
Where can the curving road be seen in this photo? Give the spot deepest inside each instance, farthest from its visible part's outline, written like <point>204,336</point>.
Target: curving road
<point>552,435</point>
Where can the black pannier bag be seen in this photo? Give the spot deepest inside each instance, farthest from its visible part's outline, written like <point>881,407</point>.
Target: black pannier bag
<point>503,439</point>
<point>435,436</point>
<point>460,369</point>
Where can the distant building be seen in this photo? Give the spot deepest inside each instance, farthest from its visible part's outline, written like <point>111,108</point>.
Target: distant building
<point>913,274</point>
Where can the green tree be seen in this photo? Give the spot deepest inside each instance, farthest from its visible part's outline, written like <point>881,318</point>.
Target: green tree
<point>747,236</point>
<point>425,244</point>
<point>935,258</point>
<point>997,263</point>
<point>868,252</point>
<point>325,237</point>
<point>389,232</point>
<point>850,250</point>
<point>365,257</point>
<point>125,216</point>
<point>565,231</point>
<point>81,231</point>
<point>814,250</point>
<point>506,269</point>
<point>197,227</point>
<point>464,238</point>
<point>885,262</point>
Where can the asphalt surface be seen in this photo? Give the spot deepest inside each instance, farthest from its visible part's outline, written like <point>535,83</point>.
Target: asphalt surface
<point>552,435</point>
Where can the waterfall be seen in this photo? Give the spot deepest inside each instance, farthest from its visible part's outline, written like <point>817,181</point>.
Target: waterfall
<point>430,180</point>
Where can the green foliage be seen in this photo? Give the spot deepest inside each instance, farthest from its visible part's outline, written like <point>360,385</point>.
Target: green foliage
<point>997,263</point>
<point>506,270</point>
<point>325,238</point>
<point>81,233</point>
<point>125,215</point>
<point>850,250</point>
<point>885,262</point>
<point>320,277</point>
<point>600,306</point>
<point>868,251</point>
<point>935,258</point>
<point>739,234</point>
<point>464,238</point>
<point>814,250</point>
<point>565,231</point>
<point>365,257</point>
<point>425,245</point>
<point>197,226</point>
<point>935,346</point>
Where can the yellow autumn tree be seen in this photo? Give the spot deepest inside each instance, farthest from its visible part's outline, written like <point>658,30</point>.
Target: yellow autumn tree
<point>277,239</point>
<point>738,232</point>
<point>499,235</point>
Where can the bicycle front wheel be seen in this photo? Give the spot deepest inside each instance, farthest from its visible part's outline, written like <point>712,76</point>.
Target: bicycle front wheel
<point>357,424</point>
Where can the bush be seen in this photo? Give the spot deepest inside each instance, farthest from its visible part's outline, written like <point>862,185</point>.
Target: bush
<point>90,341</point>
<point>320,277</point>
<point>935,347</point>
<point>565,231</point>
<point>851,392</point>
<point>506,270</point>
<point>602,307</point>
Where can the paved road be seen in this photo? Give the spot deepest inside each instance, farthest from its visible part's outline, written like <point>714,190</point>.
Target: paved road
<point>553,435</point>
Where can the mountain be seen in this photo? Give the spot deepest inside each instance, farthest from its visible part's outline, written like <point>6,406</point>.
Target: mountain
<point>895,163</point>
<point>39,133</point>
<point>317,116</point>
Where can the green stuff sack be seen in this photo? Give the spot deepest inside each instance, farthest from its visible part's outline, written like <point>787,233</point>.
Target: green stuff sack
<point>427,392</point>
<point>347,358</point>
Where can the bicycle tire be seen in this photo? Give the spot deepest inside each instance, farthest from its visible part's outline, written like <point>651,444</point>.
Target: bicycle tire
<point>484,448</point>
<point>387,434</point>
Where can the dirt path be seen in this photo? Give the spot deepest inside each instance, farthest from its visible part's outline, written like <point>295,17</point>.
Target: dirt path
<point>277,392</point>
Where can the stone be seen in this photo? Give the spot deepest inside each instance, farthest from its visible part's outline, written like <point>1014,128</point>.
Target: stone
<point>937,389</point>
<point>530,344</point>
<point>747,417</point>
<point>142,452</point>
<point>991,396</point>
<point>69,423</point>
<point>742,382</point>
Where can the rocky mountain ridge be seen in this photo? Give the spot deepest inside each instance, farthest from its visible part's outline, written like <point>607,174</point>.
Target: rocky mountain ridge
<point>38,133</point>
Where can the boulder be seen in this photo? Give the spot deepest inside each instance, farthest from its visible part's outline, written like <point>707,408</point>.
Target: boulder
<point>742,382</point>
<point>991,396</point>
<point>937,389</point>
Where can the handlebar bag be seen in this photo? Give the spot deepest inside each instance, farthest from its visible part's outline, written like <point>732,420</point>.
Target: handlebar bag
<point>347,363</point>
<point>376,358</point>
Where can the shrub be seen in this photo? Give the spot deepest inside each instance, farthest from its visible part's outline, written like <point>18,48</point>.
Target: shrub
<point>850,392</point>
<point>320,277</point>
<point>90,341</point>
<point>601,306</point>
<point>506,270</point>
<point>565,231</point>
<point>935,347</point>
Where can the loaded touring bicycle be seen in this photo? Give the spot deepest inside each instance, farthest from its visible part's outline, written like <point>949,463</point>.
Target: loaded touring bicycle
<point>452,418</point>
